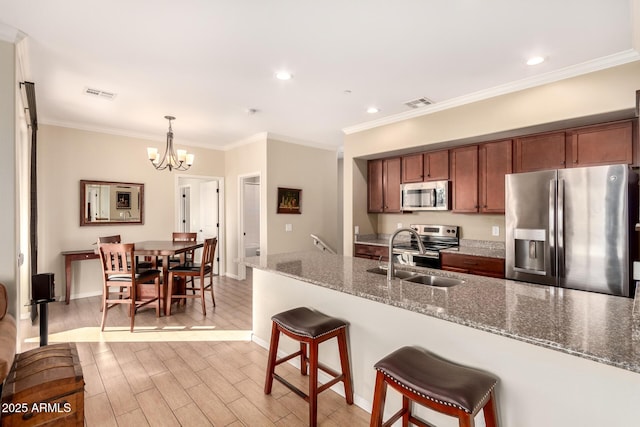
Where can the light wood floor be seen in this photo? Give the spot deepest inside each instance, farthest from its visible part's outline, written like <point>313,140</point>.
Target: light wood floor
<point>185,369</point>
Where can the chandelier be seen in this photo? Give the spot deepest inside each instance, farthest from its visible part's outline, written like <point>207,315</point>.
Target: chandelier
<point>172,159</point>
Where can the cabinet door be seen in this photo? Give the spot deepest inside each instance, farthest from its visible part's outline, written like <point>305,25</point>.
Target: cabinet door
<point>482,266</point>
<point>496,160</point>
<point>602,145</point>
<point>464,174</point>
<point>412,168</point>
<point>391,175</point>
<point>375,200</point>
<point>436,166</point>
<point>540,152</point>
<point>363,250</point>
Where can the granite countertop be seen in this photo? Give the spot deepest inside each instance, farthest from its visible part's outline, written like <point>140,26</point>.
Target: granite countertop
<point>594,326</point>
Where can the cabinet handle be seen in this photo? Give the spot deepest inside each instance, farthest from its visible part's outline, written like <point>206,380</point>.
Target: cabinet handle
<point>469,263</point>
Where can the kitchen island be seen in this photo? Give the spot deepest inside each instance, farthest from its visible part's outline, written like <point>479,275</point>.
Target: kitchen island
<point>563,357</point>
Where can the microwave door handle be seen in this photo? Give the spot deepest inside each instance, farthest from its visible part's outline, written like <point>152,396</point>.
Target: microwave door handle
<point>434,198</point>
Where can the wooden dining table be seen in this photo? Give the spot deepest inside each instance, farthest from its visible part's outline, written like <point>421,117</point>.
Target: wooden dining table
<point>164,249</point>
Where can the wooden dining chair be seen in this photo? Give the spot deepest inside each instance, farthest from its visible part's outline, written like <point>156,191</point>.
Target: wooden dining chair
<point>110,239</point>
<point>140,265</point>
<point>191,269</point>
<point>186,256</point>
<point>120,278</point>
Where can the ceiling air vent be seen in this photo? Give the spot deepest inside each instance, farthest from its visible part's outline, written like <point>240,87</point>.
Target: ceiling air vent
<point>99,93</point>
<point>417,103</point>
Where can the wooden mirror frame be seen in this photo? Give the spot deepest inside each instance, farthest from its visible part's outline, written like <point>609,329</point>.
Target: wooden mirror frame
<point>126,197</point>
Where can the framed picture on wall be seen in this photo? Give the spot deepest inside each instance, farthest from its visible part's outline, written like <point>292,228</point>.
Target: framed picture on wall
<point>289,200</point>
<point>123,200</point>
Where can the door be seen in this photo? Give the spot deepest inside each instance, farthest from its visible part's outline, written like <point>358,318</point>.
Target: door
<point>249,228</point>
<point>593,229</point>
<point>209,216</point>
<point>185,209</point>
<point>530,227</point>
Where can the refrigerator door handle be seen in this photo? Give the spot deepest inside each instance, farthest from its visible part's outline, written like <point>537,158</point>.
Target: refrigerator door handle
<point>560,220</point>
<point>552,227</point>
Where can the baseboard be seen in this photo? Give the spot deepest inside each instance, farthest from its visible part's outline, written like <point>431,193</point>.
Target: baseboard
<point>233,276</point>
<point>82,295</point>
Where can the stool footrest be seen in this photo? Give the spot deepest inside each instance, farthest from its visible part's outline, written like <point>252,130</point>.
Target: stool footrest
<point>289,357</point>
<point>291,387</point>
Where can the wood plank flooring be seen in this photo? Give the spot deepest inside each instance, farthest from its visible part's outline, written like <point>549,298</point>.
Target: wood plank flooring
<point>185,369</point>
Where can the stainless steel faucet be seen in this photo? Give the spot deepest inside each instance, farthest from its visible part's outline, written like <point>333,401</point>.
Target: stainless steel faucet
<point>391,272</point>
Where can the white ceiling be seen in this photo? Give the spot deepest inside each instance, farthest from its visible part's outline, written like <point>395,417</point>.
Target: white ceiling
<point>208,61</point>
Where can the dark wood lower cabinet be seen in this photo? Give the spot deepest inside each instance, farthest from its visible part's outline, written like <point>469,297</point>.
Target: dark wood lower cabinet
<point>363,250</point>
<point>481,266</point>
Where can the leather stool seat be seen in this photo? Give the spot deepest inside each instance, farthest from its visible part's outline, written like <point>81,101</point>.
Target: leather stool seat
<point>310,328</point>
<point>307,323</point>
<point>436,383</point>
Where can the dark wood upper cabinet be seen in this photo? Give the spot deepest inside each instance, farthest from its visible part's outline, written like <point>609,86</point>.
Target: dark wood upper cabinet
<point>601,145</point>
<point>430,166</point>
<point>375,200</point>
<point>383,184</point>
<point>495,161</point>
<point>540,152</point>
<point>436,166</point>
<point>392,169</point>
<point>464,174</point>
<point>412,168</point>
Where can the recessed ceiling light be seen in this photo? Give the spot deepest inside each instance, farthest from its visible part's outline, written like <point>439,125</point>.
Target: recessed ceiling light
<point>372,110</point>
<point>283,75</point>
<point>535,60</point>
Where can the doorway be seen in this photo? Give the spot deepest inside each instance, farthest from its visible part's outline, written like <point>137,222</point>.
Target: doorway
<point>199,210</point>
<point>249,236</point>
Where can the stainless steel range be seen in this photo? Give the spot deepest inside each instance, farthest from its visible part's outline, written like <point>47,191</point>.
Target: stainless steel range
<point>434,238</point>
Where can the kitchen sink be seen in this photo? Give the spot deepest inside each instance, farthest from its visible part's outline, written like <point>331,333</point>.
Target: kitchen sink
<point>424,279</point>
<point>438,281</point>
<point>400,274</point>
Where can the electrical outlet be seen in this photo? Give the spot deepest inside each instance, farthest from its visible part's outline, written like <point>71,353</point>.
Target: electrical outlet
<point>495,230</point>
<point>356,230</point>
<point>399,225</point>
<point>288,227</point>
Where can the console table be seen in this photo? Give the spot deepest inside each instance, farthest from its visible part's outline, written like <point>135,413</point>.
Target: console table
<point>69,257</point>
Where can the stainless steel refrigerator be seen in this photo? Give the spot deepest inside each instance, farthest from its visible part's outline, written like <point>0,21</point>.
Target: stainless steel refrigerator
<point>573,228</point>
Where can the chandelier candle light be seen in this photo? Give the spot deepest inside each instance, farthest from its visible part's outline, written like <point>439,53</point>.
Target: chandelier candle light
<point>172,159</point>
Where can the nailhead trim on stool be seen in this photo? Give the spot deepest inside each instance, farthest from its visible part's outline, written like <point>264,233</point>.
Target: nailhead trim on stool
<point>309,328</point>
<point>436,383</point>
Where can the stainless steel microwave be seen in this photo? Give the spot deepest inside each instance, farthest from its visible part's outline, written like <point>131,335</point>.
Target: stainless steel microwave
<point>425,196</point>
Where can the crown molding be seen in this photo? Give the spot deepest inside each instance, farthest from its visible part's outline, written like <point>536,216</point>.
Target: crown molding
<point>621,58</point>
<point>258,137</point>
<point>8,33</point>
<point>297,141</point>
<point>120,132</point>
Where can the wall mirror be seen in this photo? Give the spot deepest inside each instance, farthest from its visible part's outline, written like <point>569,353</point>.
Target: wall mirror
<point>103,202</point>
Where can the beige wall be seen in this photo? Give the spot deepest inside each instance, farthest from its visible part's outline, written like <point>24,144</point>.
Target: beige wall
<point>315,172</point>
<point>8,222</point>
<point>68,155</point>
<point>246,159</point>
<point>595,93</point>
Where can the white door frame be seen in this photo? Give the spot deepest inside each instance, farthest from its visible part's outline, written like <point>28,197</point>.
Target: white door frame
<point>242,270</point>
<point>221,246</point>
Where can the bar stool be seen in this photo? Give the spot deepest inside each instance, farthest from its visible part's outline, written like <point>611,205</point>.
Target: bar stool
<point>441,385</point>
<point>309,327</point>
